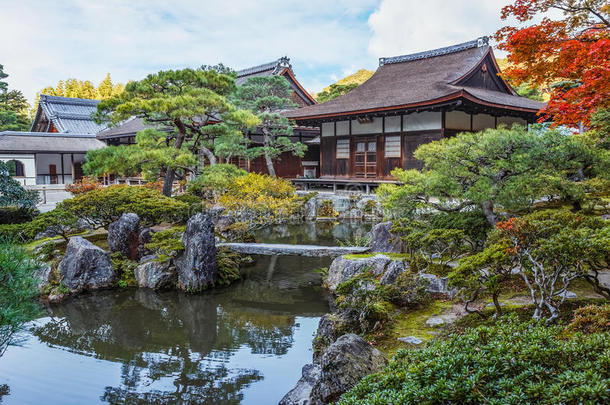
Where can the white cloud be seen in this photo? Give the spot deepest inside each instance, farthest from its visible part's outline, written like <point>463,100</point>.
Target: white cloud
<point>48,41</point>
<point>407,26</point>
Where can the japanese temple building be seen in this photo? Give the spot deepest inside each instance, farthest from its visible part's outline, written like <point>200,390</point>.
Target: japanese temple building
<point>411,100</point>
<point>286,165</point>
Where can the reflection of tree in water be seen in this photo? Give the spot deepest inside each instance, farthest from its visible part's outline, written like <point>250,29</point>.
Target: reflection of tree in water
<point>4,391</point>
<point>170,344</point>
<point>192,383</point>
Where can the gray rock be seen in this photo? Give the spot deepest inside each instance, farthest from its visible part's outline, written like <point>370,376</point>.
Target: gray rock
<point>343,364</point>
<point>435,321</point>
<point>85,266</point>
<point>124,236</point>
<point>215,213</point>
<point>155,274</point>
<point>197,265</point>
<point>223,223</point>
<point>382,240</point>
<point>43,276</point>
<point>301,393</point>
<point>340,203</point>
<point>353,213</point>
<point>439,285</point>
<point>310,209</point>
<point>394,269</point>
<point>343,269</point>
<point>144,238</point>
<point>411,340</point>
<point>326,334</point>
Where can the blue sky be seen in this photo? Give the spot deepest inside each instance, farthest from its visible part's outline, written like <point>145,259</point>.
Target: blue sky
<point>46,41</point>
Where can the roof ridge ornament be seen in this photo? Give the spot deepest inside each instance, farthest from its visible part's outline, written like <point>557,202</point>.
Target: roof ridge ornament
<point>477,43</point>
<point>277,66</point>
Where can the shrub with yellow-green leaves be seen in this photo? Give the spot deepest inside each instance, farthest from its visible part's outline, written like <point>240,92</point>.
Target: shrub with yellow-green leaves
<point>261,199</point>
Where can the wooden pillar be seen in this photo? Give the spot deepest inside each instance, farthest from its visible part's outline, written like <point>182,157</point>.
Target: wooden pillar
<point>63,176</point>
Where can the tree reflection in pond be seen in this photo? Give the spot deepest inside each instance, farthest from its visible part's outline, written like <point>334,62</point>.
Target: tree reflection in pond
<point>179,348</point>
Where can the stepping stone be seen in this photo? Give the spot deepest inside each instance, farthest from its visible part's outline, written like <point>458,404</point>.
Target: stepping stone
<point>435,321</point>
<point>411,340</point>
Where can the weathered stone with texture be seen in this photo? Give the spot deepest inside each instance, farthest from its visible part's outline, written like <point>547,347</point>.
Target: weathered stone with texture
<point>343,364</point>
<point>197,265</point>
<point>85,266</point>
<point>382,240</point>
<point>343,269</point>
<point>301,393</point>
<point>124,236</point>
<point>155,274</point>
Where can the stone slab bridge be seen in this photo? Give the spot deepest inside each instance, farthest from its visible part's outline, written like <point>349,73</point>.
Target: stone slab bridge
<point>279,249</point>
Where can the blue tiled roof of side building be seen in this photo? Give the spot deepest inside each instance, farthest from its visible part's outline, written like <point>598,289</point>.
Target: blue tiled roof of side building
<point>71,115</point>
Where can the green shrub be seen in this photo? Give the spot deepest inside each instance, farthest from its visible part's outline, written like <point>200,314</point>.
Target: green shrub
<point>124,269</point>
<point>361,298</point>
<point>13,232</point>
<point>591,319</point>
<point>12,193</point>
<point>18,290</point>
<point>228,263</point>
<point>167,243</point>
<point>214,180</point>
<point>103,206</point>
<point>16,215</point>
<point>58,222</point>
<point>510,363</point>
<point>326,209</point>
<point>261,199</point>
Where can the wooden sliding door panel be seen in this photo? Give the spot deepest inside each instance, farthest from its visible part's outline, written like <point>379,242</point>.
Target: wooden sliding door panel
<point>411,143</point>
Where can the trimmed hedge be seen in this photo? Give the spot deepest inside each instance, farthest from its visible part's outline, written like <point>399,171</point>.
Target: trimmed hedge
<point>510,363</point>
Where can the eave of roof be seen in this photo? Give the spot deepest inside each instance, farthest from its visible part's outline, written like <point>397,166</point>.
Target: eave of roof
<point>47,142</point>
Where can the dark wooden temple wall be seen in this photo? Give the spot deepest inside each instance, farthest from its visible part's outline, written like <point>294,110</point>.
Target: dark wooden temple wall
<point>411,142</point>
<point>327,150</point>
<point>286,166</point>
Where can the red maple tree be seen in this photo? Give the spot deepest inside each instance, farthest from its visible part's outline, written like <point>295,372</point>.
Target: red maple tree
<point>570,57</point>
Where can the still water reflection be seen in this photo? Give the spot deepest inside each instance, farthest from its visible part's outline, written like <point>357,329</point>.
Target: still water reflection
<point>244,344</point>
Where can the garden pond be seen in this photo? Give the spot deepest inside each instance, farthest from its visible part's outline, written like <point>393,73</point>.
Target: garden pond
<point>242,344</point>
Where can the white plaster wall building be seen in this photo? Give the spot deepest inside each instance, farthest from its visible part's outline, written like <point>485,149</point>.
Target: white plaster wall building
<point>46,158</point>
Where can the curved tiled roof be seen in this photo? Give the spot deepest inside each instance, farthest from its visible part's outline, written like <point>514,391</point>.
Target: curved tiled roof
<point>419,79</point>
<point>50,142</point>
<point>69,115</point>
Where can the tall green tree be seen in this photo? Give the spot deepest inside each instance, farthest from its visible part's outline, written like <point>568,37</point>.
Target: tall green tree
<point>190,115</point>
<point>73,87</point>
<point>266,97</point>
<point>334,91</point>
<point>13,107</point>
<point>495,170</point>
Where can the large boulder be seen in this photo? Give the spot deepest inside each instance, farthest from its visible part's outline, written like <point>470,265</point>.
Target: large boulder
<point>197,265</point>
<point>345,362</point>
<point>438,285</point>
<point>301,393</point>
<point>124,236</point>
<point>85,266</point>
<point>342,365</point>
<point>394,269</point>
<point>342,268</point>
<point>382,240</point>
<point>155,274</point>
